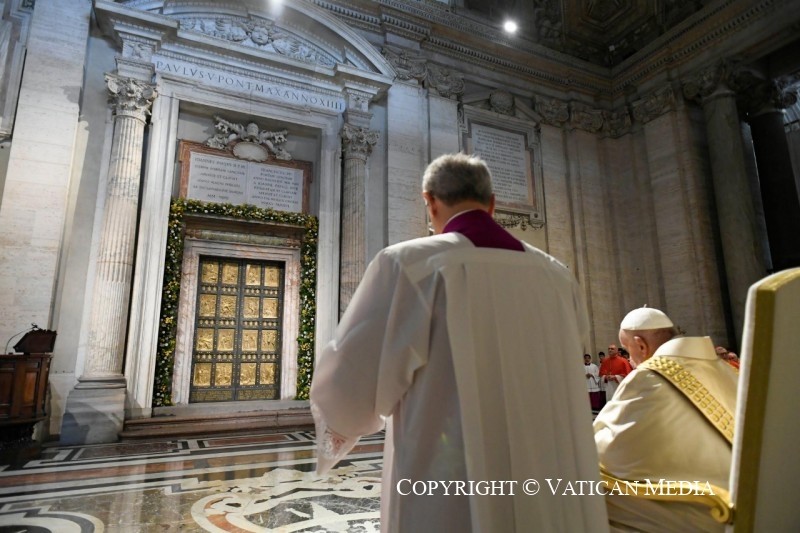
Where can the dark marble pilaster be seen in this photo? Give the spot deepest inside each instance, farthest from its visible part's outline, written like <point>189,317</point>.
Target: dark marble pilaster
<point>779,193</point>
<point>736,216</point>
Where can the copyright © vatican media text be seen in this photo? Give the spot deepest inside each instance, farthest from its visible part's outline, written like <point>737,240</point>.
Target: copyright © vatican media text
<point>557,487</point>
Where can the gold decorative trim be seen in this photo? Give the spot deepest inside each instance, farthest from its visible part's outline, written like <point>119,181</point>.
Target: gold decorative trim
<point>695,392</point>
<point>717,499</point>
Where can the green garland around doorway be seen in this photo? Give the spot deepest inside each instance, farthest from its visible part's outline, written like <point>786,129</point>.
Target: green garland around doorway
<point>165,355</point>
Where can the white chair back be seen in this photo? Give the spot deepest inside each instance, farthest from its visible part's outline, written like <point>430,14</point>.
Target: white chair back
<point>765,475</point>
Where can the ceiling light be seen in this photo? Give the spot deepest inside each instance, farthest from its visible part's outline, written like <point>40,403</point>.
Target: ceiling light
<point>510,26</point>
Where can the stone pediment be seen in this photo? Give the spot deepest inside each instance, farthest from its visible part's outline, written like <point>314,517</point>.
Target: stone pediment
<point>261,34</point>
<point>296,30</point>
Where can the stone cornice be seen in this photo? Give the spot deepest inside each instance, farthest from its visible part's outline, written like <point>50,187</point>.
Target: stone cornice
<point>691,39</point>
<point>447,40</point>
<point>353,17</point>
<point>440,29</point>
<point>554,77</point>
<point>404,27</point>
<point>438,13</point>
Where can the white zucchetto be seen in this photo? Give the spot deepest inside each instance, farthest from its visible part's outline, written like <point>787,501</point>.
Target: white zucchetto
<point>645,318</point>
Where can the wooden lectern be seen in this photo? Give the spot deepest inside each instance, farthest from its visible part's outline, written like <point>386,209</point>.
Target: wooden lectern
<point>23,393</point>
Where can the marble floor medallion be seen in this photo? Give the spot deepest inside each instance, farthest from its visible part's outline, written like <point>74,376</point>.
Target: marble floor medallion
<point>236,484</point>
<point>289,500</point>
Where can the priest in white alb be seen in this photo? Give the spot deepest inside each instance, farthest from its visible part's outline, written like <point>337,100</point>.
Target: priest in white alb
<point>463,345</point>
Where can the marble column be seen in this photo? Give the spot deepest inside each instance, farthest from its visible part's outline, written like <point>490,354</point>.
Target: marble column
<point>736,216</point>
<point>95,408</point>
<point>357,144</point>
<point>779,193</point>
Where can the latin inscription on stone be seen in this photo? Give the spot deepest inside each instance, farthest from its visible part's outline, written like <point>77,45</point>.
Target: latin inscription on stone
<point>256,87</point>
<point>505,154</point>
<point>275,187</point>
<point>226,180</point>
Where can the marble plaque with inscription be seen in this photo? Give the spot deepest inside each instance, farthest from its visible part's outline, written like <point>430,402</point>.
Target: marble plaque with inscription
<point>511,148</point>
<point>217,179</point>
<point>506,155</point>
<point>205,176</point>
<point>275,187</point>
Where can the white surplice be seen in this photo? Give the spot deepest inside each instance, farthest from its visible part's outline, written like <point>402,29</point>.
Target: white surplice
<point>593,381</point>
<point>470,354</point>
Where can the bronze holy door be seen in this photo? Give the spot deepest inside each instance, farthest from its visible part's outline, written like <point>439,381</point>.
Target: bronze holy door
<point>236,353</point>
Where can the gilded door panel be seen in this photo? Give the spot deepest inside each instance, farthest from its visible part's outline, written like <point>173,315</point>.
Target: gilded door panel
<point>238,323</point>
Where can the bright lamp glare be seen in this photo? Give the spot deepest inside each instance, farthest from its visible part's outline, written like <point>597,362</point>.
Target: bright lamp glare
<point>510,26</point>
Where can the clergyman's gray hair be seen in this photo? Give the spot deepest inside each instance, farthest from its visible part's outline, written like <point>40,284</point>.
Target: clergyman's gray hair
<point>453,178</point>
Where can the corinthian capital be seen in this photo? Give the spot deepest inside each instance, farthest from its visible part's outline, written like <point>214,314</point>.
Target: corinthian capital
<point>616,123</point>
<point>446,82</point>
<point>553,112</point>
<point>654,105</point>
<point>586,118</point>
<point>358,142</point>
<point>716,78</point>
<point>130,97</point>
<point>769,95</point>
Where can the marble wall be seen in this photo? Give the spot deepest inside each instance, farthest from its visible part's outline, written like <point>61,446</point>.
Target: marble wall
<point>36,190</point>
<point>407,134</point>
<point>630,212</point>
<point>43,192</point>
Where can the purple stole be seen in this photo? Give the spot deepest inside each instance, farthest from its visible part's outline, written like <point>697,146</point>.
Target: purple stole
<point>479,227</point>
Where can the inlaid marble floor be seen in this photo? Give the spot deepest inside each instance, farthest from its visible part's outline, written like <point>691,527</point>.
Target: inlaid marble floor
<point>253,483</point>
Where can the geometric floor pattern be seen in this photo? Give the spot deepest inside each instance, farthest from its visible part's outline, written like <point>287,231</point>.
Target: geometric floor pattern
<point>250,483</point>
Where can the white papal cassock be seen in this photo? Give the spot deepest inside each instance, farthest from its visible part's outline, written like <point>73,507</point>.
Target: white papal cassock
<point>488,393</point>
<point>650,430</point>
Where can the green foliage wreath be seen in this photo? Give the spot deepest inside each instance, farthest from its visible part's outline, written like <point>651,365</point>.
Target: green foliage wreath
<point>165,355</point>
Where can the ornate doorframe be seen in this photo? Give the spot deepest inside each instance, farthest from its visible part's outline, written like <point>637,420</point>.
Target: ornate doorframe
<point>193,249</point>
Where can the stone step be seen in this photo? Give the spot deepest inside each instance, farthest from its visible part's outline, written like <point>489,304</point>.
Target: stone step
<point>185,425</point>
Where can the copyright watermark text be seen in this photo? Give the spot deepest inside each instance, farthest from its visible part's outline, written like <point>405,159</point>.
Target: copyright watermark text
<point>556,487</point>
